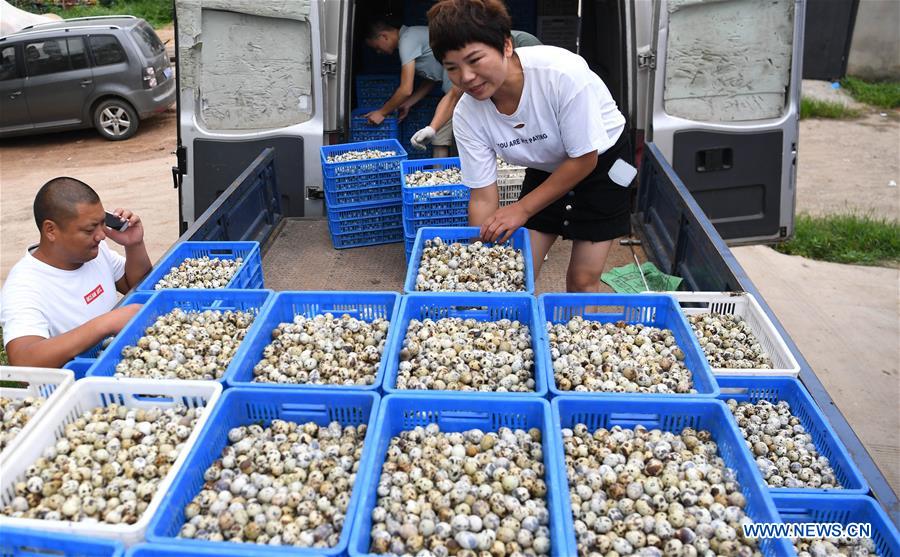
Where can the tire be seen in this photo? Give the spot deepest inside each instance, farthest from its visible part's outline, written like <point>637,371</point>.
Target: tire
<point>115,120</point>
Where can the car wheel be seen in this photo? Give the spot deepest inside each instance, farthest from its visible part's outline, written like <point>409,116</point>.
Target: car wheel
<point>115,119</point>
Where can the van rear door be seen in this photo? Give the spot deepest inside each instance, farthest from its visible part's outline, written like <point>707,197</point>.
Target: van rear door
<point>724,108</point>
<point>249,77</point>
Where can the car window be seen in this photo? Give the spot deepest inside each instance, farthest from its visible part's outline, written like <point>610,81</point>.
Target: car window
<point>106,50</point>
<point>49,56</point>
<point>77,54</point>
<point>8,69</point>
<point>147,40</point>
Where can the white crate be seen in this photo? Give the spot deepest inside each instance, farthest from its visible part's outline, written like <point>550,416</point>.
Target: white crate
<point>49,384</point>
<point>509,183</point>
<point>746,306</point>
<point>82,397</point>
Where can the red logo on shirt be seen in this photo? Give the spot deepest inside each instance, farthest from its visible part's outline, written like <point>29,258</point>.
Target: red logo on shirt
<point>93,294</point>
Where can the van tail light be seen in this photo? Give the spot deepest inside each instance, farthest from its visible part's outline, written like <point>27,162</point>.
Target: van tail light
<point>149,78</point>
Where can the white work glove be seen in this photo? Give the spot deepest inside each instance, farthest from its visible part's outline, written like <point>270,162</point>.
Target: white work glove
<point>422,138</point>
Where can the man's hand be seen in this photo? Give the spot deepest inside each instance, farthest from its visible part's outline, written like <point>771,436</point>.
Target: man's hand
<point>375,118</point>
<point>501,225</point>
<point>423,138</point>
<point>403,111</point>
<point>133,235</point>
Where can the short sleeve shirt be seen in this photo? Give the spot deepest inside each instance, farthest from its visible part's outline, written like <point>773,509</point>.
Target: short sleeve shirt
<point>414,47</point>
<point>565,111</point>
<point>41,300</point>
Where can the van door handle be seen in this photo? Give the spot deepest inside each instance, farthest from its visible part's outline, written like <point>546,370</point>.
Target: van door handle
<point>14,94</point>
<point>86,82</point>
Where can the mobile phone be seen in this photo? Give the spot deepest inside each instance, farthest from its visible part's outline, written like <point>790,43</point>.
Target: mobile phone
<point>115,222</point>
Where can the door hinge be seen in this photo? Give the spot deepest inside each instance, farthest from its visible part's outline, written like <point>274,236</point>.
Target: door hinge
<point>646,58</point>
<point>329,64</point>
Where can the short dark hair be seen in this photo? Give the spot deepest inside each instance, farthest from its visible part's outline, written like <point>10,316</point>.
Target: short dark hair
<point>452,24</point>
<point>57,200</point>
<point>377,25</point>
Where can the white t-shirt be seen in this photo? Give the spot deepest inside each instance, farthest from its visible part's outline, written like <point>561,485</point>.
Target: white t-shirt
<point>41,300</point>
<point>565,111</point>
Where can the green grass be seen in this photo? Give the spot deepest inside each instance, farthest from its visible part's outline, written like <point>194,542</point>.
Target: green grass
<point>848,238</point>
<point>885,94</point>
<point>157,12</point>
<point>3,359</point>
<point>813,108</point>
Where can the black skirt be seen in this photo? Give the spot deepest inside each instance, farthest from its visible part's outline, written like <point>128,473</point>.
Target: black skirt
<point>596,210</point>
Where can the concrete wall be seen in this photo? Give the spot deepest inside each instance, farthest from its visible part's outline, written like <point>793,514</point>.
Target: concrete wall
<point>875,50</point>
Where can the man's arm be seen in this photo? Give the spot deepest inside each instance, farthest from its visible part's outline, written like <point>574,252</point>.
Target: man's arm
<point>444,110</point>
<point>423,89</point>
<point>36,351</point>
<point>407,82</point>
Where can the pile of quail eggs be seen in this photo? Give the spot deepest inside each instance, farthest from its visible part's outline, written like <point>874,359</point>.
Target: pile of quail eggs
<point>784,450</point>
<point>16,412</point>
<point>503,165</point>
<point>652,492</point>
<point>105,467</point>
<point>359,155</point>
<point>728,341</point>
<point>617,357</point>
<point>467,355</point>
<point>324,350</point>
<point>462,493</point>
<point>421,178</point>
<point>200,272</point>
<point>820,547</point>
<point>286,484</point>
<point>475,267</point>
<point>186,345</point>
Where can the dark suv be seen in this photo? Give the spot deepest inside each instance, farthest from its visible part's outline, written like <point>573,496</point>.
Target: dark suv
<point>107,72</point>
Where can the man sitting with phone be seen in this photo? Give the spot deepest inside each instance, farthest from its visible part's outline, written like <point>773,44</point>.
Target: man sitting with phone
<point>58,300</point>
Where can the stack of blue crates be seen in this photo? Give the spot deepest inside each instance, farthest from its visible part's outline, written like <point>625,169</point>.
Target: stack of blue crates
<point>363,197</point>
<point>375,89</point>
<point>362,130</point>
<point>442,205</point>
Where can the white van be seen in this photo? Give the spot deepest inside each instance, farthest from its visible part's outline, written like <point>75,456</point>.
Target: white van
<point>714,85</point>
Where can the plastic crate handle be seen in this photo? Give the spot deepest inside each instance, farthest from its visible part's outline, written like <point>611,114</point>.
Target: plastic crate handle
<point>153,398</point>
<point>635,418</point>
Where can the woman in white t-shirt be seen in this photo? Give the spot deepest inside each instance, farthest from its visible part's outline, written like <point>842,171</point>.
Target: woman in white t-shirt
<point>543,108</point>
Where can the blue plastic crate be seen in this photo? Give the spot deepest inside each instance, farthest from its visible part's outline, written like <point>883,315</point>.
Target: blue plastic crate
<point>249,275</point>
<point>167,300</point>
<point>456,205</point>
<point>841,509</point>
<point>409,242</point>
<point>667,414</point>
<point>19,542</point>
<point>658,310</point>
<point>361,167</point>
<point>774,389</point>
<point>365,218</point>
<point>239,407</point>
<point>135,297</point>
<point>465,235</point>
<point>358,121</point>
<point>367,306</point>
<point>367,238</point>
<point>398,413</point>
<point>375,89</point>
<point>411,226</point>
<point>357,191</point>
<point>480,307</point>
<point>79,367</point>
<point>427,194</point>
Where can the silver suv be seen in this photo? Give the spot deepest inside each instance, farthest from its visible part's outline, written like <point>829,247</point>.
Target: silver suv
<point>107,72</point>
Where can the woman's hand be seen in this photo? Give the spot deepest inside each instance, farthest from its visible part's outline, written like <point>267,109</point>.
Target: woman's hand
<point>506,220</point>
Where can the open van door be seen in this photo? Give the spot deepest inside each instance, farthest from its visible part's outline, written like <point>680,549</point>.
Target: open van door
<point>724,108</point>
<point>249,77</point>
